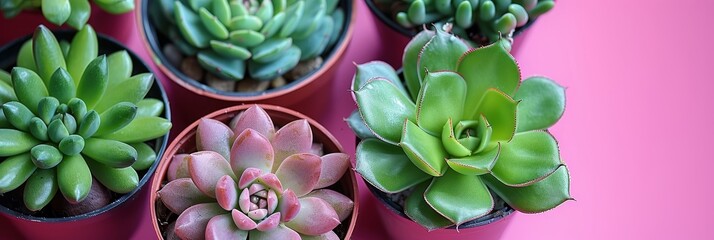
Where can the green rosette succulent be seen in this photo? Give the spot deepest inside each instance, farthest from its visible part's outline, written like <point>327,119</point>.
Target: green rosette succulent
<point>485,18</point>
<point>457,142</point>
<point>73,12</point>
<point>69,116</point>
<point>263,37</point>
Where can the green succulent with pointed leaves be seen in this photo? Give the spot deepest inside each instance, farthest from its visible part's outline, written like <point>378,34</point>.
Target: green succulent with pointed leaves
<point>452,134</point>
<point>266,38</point>
<point>61,125</point>
<point>73,12</point>
<point>485,18</point>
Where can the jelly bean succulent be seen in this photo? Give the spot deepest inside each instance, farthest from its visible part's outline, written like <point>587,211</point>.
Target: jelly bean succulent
<point>251,181</point>
<point>73,12</point>
<point>61,126</point>
<point>266,38</point>
<point>456,142</point>
<point>486,18</point>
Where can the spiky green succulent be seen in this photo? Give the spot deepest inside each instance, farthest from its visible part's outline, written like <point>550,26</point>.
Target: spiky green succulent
<point>486,18</point>
<point>453,136</point>
<point>263,37</point>
<point>69,115</point>
<point>73,12</point>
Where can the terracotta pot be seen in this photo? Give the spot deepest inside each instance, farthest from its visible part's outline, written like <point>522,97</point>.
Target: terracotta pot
<point>115,218</point>
<point>393,30</point>
<point>399,227</point>
<point>292,92</point>
<point>185,142</point>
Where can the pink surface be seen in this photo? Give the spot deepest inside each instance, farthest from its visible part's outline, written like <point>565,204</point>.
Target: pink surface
<point>636,133</point>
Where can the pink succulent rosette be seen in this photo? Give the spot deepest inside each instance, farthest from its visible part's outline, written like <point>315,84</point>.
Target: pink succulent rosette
<point>250,181</point>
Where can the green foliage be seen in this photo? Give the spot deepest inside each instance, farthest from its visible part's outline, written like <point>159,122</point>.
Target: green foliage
<point>57,126</point>
<point>73,12</point>
<point>468,129</point>
<point>260,39</point>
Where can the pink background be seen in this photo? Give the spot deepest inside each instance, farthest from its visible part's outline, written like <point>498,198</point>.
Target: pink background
<point>636,135</point>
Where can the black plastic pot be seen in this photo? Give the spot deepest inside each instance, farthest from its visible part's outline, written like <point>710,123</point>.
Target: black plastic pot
<point>107,222</point>
<point>289,93</point>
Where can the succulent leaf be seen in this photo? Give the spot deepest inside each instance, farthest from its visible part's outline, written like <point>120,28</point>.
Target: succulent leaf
<point>114,154</point>
<point>80,13</point>
<point>40,188</point>
<point>149,107</point>
<point>141,129</point>
<point>119,68</point>
<point>538,197</point>
<point>181,194</point>
<point>280,232</point>
<point>300,173</point>
<point>476,164</point>
<point>93,83</point>
<point>254,118</point>
<point>146,156</point>
<point>411,55</point>
<point>425,151</point>
<point>459,205</point>
<point>293,138</point>
<point>500,110</point>
<point>13,142</point>
<point>333,167</point>
<point>132,90</point>
<point>118,180</point>
<point>191,224</point>
<point>416,208</point>
<point>542,103</point>
<point>29,87</point>
<point>116,118</point>
<point>379,162</point>
<point>82,51</point>
<point>272,70</point>
<point>190,26</point>
<point>340,203</point>
<point>251,150</point>
<point>443,46</point>
<point>206,168</point>
<point>222,227</point>
<point>315,217</point>
<point>358,126</point>
<point>15,170</point>
<point>178,168</point>
<point>74,178</point>
<point>384,108</point>
<point>221,66</point>
<point>374,69</point>
<point>528,158</point>
<point>496,69</point>
<point>26,57</point>
<point>46,50</point>
<point>18,115</point>
<point>61,86</point>
<point>440,99</point>
<point>212,135</point>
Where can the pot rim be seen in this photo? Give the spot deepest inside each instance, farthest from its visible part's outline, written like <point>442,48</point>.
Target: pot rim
<point>189,132</point>
<point>151,43</point>
<point>384,18</point>
<point>162,141</point>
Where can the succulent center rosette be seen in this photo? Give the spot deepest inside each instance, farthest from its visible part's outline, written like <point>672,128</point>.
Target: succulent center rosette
<point>60,126</point>
<point>266,38</point>
<point>261,184</point>
<point>452,134</point>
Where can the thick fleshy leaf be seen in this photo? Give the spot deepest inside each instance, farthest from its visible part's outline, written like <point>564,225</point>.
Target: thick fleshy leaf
<point>441,53</point>
<point>374,69</point>
<point>29,87</point>
<point>180,194</point>
<point>118,180</point>
<point>142,128</point>
<point>227,193</point>
<point>488,67</point>
<point>280,232</point>
<point>40,188</point>
<point>340,203</point>
<point>355,122</point>
<point>93,84</point>
<point>213,135</point>
<point>528,158</point>
<point>206,168</point>
<point>222,227</point>
<point>300,172</point>
<point>14,171</point>
<point>542,103</point>
<point>535,198</point>
<point>74,178</point>
<point>249,176</point>
<point>190,25</point>
<point>191,224</point>
<point>459,204</point>
<point>419,210</point>
<point>254,118</point>
<point>441,98</point>
<point>289,206</point>
<point>178,168</point>
<point>378,163</point>
<point>47,52</point>
<point>384,108</point>
<point>410,58</point>
<point>132,90</point>
<point>13,142</point>
<point>271,181</point>
<point>251,150</point>
<point>477,164</point>
<point>500,110</point>
<point>334,165</point>
<point>242,221</point>
<point>269,223</point>
<point>293,138</point>
<point>326,236</point>
<point>424,150</point>
<point>315,217</point>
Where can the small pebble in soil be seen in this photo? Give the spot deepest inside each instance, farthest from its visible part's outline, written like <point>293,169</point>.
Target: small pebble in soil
<point>220,84</point>
<point>278,82</point>
<point>251,85</point>
<point>173,55</point>
<point>191,68</point>
<point>99,196</point>
<point>303,68</point>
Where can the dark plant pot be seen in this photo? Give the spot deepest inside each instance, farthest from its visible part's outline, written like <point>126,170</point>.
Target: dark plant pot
<point>119,218</point>
<point>399,33</point>
<point>292,92</point>
<point>398,226</point>
<point>185,142</point>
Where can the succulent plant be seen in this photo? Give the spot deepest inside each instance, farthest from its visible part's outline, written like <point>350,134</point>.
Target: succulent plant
<point>457,141</point>
<point>251,181</point>
<point>268,38</point>
<point>486,18</point>
<point>61,125</point>
<point>73,12</point>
